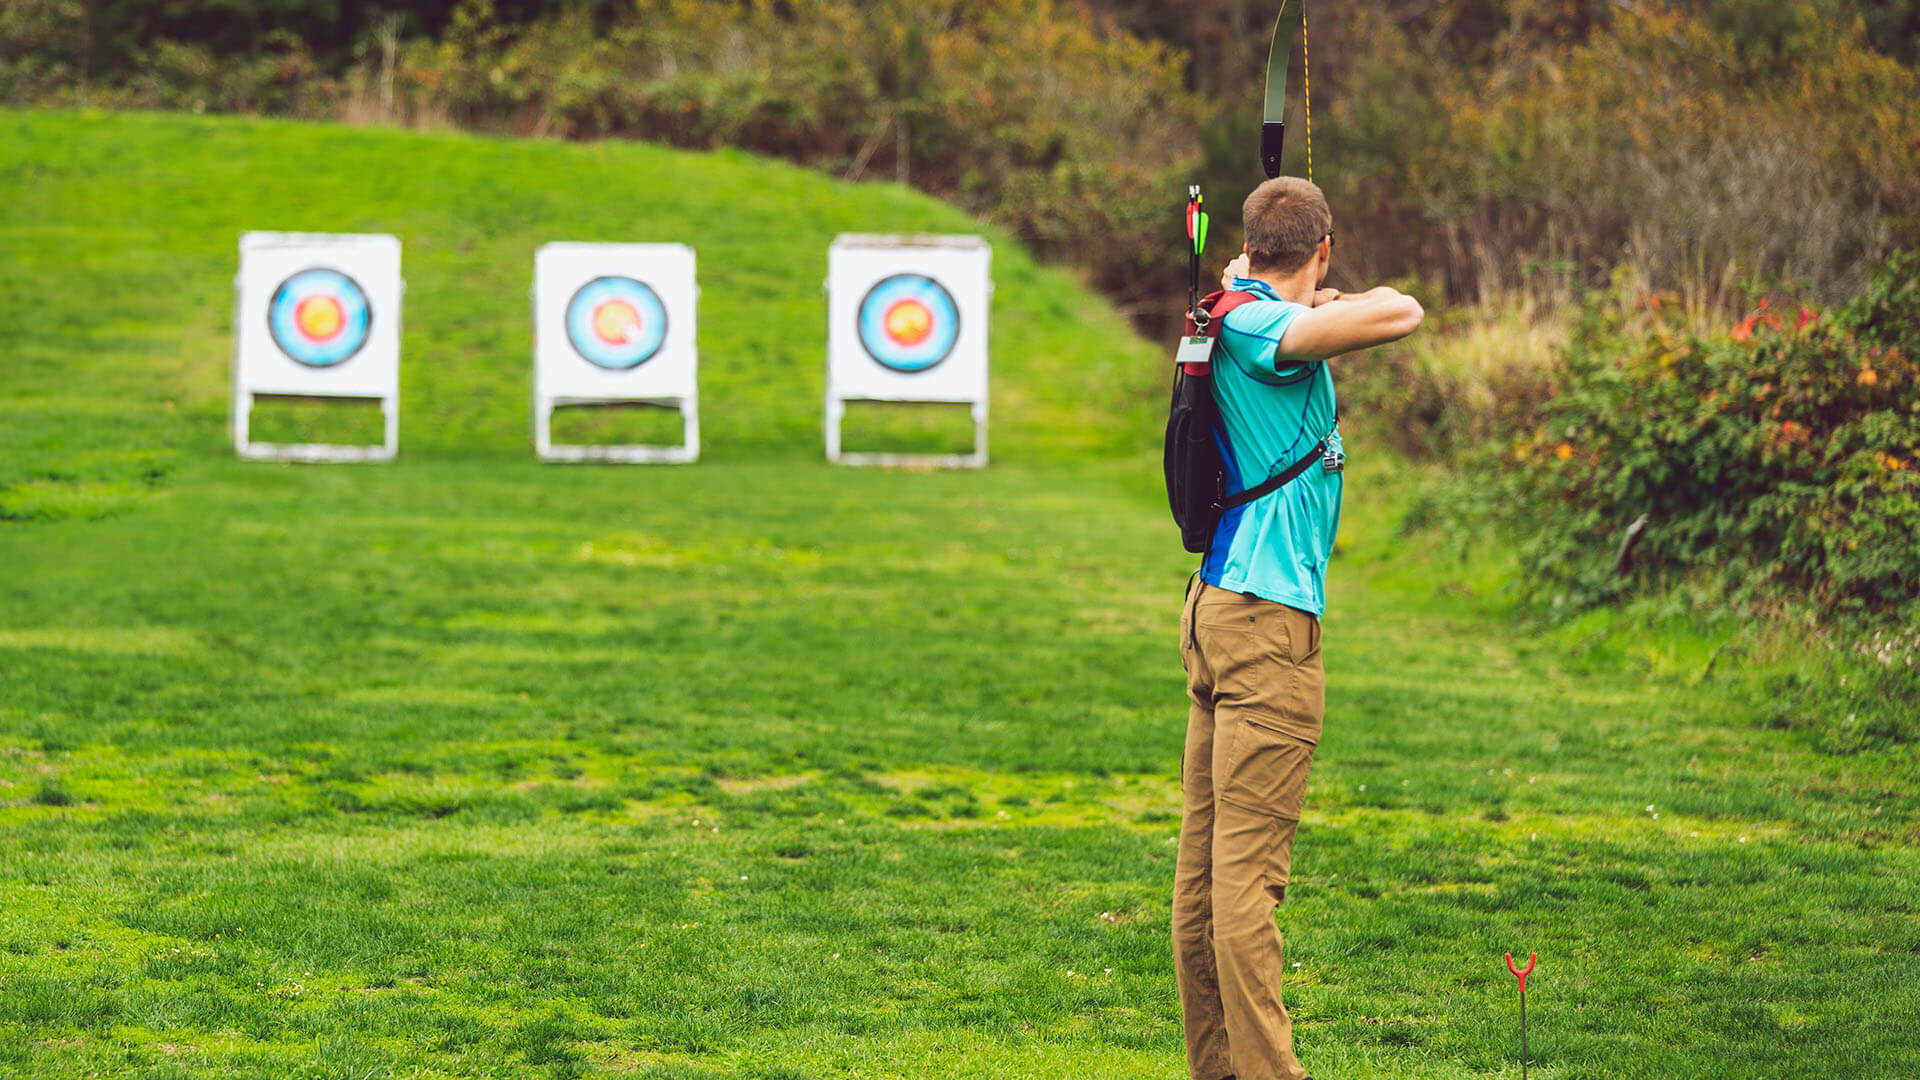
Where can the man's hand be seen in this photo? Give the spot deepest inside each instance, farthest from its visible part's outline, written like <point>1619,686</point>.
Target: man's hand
<point>1325,296</point>
<point>1238,268</point>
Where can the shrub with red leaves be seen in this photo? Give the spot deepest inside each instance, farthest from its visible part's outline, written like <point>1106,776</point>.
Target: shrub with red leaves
<point>1781,460</point>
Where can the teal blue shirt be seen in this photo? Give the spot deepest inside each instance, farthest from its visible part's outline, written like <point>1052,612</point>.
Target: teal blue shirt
<point>1276,547</point>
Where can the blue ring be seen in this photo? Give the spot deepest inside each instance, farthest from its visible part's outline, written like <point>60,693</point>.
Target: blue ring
<point>646,303</point>
<point>908,360</point>
<point>298,347</point>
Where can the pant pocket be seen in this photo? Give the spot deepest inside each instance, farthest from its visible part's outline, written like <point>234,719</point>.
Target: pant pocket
<point>1248,649</point>
<point>1267,769</point>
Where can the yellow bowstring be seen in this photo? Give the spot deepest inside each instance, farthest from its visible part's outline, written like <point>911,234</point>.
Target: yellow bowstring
<point>1306,56</point>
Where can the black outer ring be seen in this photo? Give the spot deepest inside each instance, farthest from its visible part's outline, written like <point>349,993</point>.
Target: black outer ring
<point>365,298</point>
<point>862,338</point>
<point>666,323</point>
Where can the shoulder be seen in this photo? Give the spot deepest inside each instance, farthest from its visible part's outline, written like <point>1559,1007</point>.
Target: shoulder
<point>1262,319</point>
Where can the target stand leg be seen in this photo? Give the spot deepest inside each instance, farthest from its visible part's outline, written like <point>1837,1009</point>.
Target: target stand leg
<point>836,412</point>
<point>686,453</point>
<point>390,410</point>
<point>979,458</point>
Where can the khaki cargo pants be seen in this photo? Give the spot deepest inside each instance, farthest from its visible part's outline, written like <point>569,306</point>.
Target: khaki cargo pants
<point>1258,694</point>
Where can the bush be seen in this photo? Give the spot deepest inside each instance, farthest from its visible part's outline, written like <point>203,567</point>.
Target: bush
<point>1776,462</point>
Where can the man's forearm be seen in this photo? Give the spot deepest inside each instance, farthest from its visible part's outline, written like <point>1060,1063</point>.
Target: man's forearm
<point>1342,323</point>
<point>1375,295</point>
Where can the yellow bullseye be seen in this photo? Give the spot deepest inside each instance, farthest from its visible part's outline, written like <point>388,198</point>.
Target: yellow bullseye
<point>908,323</point>
<point>319,317</point>
<point>616,322</point>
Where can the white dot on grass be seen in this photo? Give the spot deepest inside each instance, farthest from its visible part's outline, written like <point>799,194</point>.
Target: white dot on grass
<point>1296,963</point>
<point>743,877</point>
<point>1743,839</point>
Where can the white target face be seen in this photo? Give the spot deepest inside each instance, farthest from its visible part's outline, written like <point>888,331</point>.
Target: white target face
<point>907,318</point>
<point>615,322</point>
<point>319,315</point>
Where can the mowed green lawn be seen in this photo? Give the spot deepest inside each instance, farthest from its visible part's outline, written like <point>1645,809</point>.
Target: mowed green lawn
<point>466,766</point>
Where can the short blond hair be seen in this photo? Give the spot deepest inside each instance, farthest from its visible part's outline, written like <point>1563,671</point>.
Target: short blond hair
<point>1285,218</point>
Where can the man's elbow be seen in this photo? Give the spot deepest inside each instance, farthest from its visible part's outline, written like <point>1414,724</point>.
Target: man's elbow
<point>1405,316</point>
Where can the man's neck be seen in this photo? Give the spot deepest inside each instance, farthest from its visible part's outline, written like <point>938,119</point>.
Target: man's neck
<point>1297,287</point>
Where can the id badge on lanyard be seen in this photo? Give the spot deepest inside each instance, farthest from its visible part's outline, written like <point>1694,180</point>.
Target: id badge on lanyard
<point>1195,354</point>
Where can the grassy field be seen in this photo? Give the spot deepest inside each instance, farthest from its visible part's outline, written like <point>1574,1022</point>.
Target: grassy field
<point>468,767</point>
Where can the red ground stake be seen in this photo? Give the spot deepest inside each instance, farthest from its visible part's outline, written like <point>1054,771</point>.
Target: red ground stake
<point>1521,974</point>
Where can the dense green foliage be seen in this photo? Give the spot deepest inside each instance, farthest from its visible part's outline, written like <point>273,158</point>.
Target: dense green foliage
<point>1780,457</point>
<point>1488,146</point>
<point>1475,146</point>
<point>760,769</point>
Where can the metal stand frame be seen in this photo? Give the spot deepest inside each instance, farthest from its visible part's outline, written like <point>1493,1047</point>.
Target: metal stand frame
<point>685,454</point>
<point>837,411</point>
<point>316,452</point>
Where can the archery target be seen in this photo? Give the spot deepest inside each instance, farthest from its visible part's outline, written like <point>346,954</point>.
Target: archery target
<point>908,322</point>
<point>907,318</point>
<point>319,317</point>
<point>616,322</point>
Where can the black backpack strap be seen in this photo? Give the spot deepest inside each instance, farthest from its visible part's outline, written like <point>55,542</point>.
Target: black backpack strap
<point>1275,483</point>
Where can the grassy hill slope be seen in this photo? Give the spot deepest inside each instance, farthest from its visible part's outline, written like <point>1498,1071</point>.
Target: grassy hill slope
<point>121,242</point>
<point>470,767</point>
